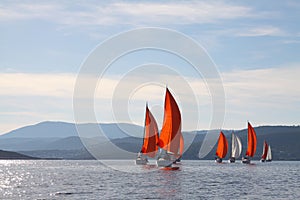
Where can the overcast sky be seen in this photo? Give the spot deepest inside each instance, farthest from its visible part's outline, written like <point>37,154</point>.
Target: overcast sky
<point>255,46</point>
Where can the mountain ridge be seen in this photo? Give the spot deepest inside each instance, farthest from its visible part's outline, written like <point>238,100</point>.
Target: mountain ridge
<point>283,139</point>
<point>4,155</point>
<point>59,129</point>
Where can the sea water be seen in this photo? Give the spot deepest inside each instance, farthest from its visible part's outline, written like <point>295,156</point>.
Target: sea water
<point>50,179</point>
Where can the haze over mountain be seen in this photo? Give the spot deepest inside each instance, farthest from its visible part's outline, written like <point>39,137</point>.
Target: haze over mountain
<point>284,141</point>
<point>60,140</point>
<point>50,129</point>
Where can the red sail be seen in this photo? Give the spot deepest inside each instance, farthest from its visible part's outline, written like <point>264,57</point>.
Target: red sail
<point>181,145</point>
<point>150,135</point>
<point>251,141</point>
<point>222,146</point>
<point>170,134</point>
<point>265,151</point>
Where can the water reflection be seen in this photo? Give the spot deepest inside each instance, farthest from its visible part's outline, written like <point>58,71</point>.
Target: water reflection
<point>170,184</point>
<point>195,180</point>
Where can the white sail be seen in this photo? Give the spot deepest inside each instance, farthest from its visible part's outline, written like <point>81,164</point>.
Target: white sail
<point>269,154</point>
<point>236,146</point>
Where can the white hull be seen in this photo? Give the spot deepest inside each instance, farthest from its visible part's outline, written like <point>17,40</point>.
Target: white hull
<point>246,160</point>
<point>163,162</point>
<point>139,161</point>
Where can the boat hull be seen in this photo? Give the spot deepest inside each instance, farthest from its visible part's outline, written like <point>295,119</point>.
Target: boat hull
<point>140,161</point>
<point>169,168</point>
<point>246,160</point>
<point>177,161</point>
<point>218,160</point>
<point>231,160</point>
<point>164,162</point>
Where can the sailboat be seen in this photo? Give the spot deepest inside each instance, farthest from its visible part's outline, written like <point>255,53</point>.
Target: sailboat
<point>222,148</point>
<point>149,148</point>
<point>236,148</point>
<point>251,149</point>
<point>267,154</point>
<point>169,139</point>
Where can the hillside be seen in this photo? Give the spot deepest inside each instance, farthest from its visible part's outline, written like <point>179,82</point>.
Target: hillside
<point>50,129</point>
<point>283,139</point>
<point>4,155</point>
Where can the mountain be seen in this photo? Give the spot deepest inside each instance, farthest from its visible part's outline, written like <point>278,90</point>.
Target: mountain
<point>63,136</point>
<point>78,154</point>
<point>51,129</point>
<point>65,143</point>
<point>43,130</point>
<point>284,141</point>
<point>13,155</point>
<point>27,144</point>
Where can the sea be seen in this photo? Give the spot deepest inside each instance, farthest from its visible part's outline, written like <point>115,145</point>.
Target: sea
<point>122,179</point>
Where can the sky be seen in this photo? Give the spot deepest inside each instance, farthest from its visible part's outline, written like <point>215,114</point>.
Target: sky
<point>254,45</point>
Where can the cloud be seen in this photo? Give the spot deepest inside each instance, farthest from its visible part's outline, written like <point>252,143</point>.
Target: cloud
<point>191,12</point>
<point>264,84</point>
<point>260,31</point>
<point>250,94</point>
<point>248,31</point>
<point>20,84</point>
<point>22,11</point>
<point>266,96</point>
<point>134,13</point>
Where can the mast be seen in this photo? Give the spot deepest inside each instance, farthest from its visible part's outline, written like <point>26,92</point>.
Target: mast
<point>144,136</point>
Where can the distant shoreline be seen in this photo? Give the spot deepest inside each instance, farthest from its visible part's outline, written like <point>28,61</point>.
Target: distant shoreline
<point>60,141</point>
<point>225,161</point>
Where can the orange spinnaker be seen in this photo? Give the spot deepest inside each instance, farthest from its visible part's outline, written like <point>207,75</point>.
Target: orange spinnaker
<point>251,141</point>
<point>222,146</point>
<point>150,135</point>
<point>170,134</point>
<point>181,145</point>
